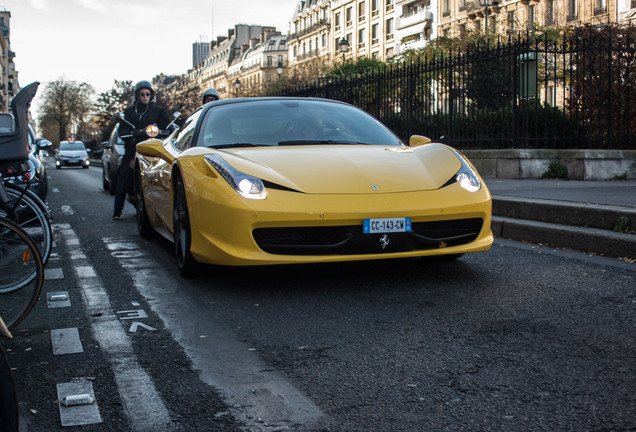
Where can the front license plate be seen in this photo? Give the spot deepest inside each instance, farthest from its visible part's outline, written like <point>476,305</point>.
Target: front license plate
<point>386,225</point>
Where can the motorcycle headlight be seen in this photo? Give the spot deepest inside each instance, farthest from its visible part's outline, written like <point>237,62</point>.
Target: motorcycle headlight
<point>246,185</point>
<point>152,131</point>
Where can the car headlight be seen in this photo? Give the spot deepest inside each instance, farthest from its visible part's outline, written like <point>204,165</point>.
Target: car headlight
<point>245,184</point>
<point>466,176</point>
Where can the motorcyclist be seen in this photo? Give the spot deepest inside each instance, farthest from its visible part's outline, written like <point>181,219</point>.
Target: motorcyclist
<point>210,95</point>
<point>141,113</point>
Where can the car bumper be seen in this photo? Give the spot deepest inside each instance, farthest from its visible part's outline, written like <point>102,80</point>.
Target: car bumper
<point>282,229</point>
<point>72,162</point>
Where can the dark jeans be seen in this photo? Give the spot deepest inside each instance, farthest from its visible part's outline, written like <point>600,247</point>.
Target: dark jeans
<point>124,185</point>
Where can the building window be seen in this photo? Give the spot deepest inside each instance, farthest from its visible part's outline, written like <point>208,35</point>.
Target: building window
<point>389,29</point>
<point>295,50</point>
<point>389,5</point>
<point>446,8</point>
<point>375,7</point>
<point>269,60</point>
<point>531,17</point>
<point>324,40</point>
<point>462,29</point>
<point>375,33</point>
<point>549,12</point>
<point>348,16</point>
<point>511,21</point>
<point>573,13</point>
<point>361,11</point>
<point>361,38</point>
<point>462,5</point>
<point>600,7</point>
<point>337,21</point>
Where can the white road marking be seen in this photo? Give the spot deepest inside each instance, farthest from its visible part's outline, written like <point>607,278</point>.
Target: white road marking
<point>259,396</point>
<point>66,341</point>
<point>67,210</point>
<point>142,402</point>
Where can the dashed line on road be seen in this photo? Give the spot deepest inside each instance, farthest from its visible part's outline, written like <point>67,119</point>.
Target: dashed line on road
<point>143,405</point>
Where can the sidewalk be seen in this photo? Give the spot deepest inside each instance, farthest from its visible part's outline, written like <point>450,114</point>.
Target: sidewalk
<point>615,193</point>
<point>578,215</point>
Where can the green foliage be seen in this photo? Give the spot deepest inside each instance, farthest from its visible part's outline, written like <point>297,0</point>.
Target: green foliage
<point>356,67</point>
<point>621,177</point>
<point>556,171</point>
<point>624,225</point>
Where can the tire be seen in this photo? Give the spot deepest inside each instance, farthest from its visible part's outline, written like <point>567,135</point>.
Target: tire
<point>112,183</point>
<point>32,215</point>
<point>58,166</point>
<point>105,182</point>
<point>9,417</point>
<point>22,274</point>
<point>182,234</point>
<point>143,223</point>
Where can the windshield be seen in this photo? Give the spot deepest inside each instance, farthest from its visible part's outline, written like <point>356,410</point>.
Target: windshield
<point>291,122</point>
<point>74,145</point>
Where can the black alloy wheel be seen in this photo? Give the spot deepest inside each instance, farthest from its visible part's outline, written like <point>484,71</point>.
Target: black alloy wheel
<point>182,234</point>
<point>143,223</point>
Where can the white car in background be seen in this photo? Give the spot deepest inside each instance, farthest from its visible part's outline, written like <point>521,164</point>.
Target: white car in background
<point>71,153</point>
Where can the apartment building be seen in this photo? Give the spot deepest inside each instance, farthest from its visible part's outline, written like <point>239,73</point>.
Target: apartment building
<point>261,62</point>
<point>8,76</point>
<point>416,23</point>
<point>309,32</point>
<point>459,16</point>
<point>367,25</point>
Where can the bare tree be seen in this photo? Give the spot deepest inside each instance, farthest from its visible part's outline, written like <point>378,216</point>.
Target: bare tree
<point>109,102</point>
<point>66,106</point>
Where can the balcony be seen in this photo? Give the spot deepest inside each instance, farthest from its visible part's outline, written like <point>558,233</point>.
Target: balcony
<point>319,25</point>
<point>416,17</point>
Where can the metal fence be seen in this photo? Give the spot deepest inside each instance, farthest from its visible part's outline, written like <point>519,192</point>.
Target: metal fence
<point>532,92</point>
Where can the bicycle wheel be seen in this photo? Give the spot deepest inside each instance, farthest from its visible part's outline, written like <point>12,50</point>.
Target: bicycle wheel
<point>9,417</point>
<point>32,214</point>
<point>22,274</point>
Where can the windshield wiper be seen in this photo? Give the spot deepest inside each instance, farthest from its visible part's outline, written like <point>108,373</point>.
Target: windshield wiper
<point>221,146</point>
<point>309,142</point>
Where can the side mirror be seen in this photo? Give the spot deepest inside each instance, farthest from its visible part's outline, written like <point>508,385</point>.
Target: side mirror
<point>419,140</point>
<point>43,143</point>
<point>176,115</point>
<point>105,144</point>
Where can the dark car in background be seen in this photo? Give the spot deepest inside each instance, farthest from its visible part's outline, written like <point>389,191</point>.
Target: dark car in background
<point>71,153</point>
<point>113,151</point>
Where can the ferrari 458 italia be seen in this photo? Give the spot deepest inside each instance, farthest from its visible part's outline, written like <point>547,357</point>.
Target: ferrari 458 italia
<point>296,180</point>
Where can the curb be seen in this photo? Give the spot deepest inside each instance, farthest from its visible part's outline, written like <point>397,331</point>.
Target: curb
<point>588,240</point>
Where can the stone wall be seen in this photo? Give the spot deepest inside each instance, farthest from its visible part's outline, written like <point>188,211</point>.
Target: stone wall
<point>531,164</point>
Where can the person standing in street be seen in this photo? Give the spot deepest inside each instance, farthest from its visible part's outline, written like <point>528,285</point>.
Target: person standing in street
<point>210,95</point>
<point>141,113</point>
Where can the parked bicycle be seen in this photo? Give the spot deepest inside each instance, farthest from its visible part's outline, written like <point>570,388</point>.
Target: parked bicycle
<point>21,264</point>
<point>19,204</point>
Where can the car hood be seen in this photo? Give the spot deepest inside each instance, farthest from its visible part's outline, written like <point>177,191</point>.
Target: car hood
<point>72,153</point>
<point>347,168</point>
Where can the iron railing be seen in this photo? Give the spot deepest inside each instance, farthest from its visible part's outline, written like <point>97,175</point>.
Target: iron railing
<point>525,93</point>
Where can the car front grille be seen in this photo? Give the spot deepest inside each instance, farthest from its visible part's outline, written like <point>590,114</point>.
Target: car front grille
<point>350,240</point>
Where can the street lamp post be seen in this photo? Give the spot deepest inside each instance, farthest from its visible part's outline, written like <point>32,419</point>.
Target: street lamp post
<point>237,86</point>
<point>279,72</point>
<point>343,47</point>
<point>486,4</point>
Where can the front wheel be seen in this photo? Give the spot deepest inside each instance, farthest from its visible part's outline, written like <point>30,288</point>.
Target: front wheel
<point>143,223</point>
<point>182,233</point>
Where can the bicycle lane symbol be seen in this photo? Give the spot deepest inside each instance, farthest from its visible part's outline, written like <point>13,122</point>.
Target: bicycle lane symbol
<point>135,314</point>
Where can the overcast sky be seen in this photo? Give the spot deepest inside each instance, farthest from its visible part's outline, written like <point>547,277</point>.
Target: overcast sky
<point>98,41</point>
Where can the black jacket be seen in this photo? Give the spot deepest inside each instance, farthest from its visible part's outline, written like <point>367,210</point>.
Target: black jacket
<point>141,116</point>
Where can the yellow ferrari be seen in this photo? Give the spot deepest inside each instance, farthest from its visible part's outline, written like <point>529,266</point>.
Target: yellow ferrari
<point>294,180</point>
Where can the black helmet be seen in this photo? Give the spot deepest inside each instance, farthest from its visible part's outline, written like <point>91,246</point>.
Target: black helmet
<point>144,85</point>
<point>210,92</point>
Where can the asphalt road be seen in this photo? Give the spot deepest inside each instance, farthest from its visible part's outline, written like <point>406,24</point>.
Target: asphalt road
<point>519,338</point>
